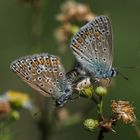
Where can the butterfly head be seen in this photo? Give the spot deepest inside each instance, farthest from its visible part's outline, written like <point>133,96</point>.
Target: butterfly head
<point>63,97</point>
<point>108,74</point>
<point>113,72</point>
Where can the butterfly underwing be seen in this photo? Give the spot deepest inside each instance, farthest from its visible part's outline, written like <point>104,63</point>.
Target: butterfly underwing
<point>92,47</point>
<point>44,73</point>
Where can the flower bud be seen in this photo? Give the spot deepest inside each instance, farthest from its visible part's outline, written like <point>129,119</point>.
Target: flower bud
<point>101,91</point>
<point>15,115</point>
<point>74,29</point>
<point>88,92</point>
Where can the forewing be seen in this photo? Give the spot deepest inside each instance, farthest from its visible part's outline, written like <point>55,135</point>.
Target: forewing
<point>42,72</point>
<point>92,45</point>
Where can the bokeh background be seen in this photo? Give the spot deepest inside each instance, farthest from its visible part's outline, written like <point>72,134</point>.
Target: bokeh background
<point>18,18</point>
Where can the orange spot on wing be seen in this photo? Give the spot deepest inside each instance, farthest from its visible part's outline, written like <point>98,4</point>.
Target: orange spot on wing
<point>21,66</point>
<point>83,36</point>
<point>48,62</point>
<point>58,62</point>
<point>33,72</point>
<point>80,40</point>
<point>36,62</point>
<point>87,33</point>
<point>76,45</point>
<point>97,34</point>
<point>33,64</point>
<point>41,61</point>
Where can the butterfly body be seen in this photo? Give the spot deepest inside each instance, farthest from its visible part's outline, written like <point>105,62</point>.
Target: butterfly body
<point>45,74</point>
<point>92,47</point>
<point>100,73</point>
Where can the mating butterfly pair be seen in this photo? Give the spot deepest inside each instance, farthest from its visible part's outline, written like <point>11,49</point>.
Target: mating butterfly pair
<point>92,47</point>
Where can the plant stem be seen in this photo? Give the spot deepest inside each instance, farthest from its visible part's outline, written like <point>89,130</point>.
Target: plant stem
<point>100,108</point>
<point>99,102</point>
<point>101,136</point>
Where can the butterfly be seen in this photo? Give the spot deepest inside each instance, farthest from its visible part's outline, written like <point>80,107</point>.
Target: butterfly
<point>92,47</point>
<point>44,73</point>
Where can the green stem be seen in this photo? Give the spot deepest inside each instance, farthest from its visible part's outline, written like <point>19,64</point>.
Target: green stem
<point>99,102</point>
<point>100,108</point>
<point>5,126</point>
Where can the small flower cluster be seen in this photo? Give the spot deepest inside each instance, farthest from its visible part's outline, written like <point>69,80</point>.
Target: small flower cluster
<point>4,107</point>
<point>76,11</point>
<point>70,11</point>
<point>86,88</point>
<point>121,109</point>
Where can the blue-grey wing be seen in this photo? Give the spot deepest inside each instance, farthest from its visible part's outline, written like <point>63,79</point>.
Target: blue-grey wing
<point>92,45</point>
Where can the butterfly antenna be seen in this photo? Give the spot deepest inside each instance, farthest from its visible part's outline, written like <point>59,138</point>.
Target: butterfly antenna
<point>130,67</point>
<point>122,75</point>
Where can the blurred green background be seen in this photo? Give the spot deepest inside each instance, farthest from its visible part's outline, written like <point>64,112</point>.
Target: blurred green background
<point>16,21</point>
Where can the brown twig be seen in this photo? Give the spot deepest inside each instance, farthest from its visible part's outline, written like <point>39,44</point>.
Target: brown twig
<point>101,135</point>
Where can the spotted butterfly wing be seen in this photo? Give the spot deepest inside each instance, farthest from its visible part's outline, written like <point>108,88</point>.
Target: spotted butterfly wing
<point>44,73</point>
<point>92,47</point>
